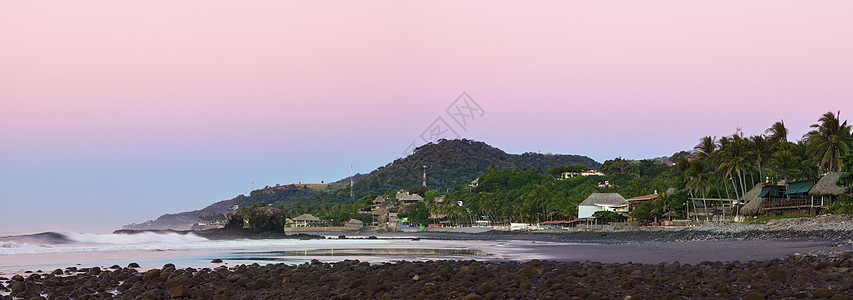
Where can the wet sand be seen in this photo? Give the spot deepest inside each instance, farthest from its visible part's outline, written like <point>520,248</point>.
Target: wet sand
<point>684,252</point>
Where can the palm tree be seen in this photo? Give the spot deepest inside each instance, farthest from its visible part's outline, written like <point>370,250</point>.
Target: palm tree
<point>831,139</point>
<point>706,147</point>
<point>733,160</point>
<point>785,163</point>
<point>760,151</point>
<point>778,133</point>
<point>809,163</point>
<point>698,176</point>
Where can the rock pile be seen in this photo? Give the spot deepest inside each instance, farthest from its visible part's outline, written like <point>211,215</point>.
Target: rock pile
<point>804,276</point>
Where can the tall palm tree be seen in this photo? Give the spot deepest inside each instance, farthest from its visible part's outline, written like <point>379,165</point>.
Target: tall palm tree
<point>706,147</point>
<point>733,159</point>
<point>831,139</point>
<point>760,152</point>
<point>778,133</point>
<point>785,163</point>
<point>809,162</point>
<point>698,177</point>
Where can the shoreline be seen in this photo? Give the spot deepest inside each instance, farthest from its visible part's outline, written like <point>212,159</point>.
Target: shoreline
<point>800,276</point>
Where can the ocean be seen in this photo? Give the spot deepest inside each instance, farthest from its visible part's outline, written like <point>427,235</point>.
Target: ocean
<point>56,250</point>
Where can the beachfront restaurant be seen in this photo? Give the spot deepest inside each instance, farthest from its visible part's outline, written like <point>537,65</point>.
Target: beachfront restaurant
<point>807,197</point>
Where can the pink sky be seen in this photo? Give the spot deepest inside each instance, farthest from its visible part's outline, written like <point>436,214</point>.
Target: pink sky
<point>195,99</point>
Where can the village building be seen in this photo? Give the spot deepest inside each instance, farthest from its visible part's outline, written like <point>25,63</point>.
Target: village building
<point>602,202</point>
<point>566,175</point>
<point>307,220</point>
<point>406,198</point>
<point>475,183</point>
<point>825,190</point>
<point>795,198</point>
<point>634,203</point>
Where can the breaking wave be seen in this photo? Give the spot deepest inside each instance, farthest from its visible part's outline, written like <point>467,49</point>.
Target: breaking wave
<point>50,242</point>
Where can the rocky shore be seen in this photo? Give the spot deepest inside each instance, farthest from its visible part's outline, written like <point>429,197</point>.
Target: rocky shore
<point>826,275</point>
<point>823,228</point>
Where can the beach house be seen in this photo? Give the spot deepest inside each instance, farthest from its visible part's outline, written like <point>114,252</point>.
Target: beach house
<point>307,220</point>
<point>634,203</point>
<point>602,202</point>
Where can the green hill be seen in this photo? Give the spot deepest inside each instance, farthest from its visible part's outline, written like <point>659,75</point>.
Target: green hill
<point>449,163</point>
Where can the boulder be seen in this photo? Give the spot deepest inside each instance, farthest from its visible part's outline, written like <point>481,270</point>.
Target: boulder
<point>235,222</point>
<point>267,218</point>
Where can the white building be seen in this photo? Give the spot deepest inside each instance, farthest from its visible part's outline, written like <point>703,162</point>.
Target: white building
<point>601,202</point>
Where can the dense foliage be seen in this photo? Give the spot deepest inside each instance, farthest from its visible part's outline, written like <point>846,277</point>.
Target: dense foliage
<point>530,195</point>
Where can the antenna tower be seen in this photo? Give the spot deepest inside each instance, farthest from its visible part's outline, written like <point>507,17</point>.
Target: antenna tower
<point>424,175</point>
<point>351,183</point>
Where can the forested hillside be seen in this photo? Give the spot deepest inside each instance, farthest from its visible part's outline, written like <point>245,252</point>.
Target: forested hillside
<point>449,163</point>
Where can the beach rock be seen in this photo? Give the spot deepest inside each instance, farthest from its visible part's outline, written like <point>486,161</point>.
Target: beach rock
<point>822,293</point>
<point>180,292</point>
<point>754,296</point>
<point>175,281</point>
<point>472,297</point>
<point>777,275</point>
<point>17,278</point>
<point>133,265</point>
<point>266,218</point>
<point>17,287</point>
<point>216,261</point>
<point>168,268</point>
<point>234,277</point>
<point>484,288</point>
<point>151,274</point>
<point>258,284</point>
<point>94,271</point>
<point>581,292</point>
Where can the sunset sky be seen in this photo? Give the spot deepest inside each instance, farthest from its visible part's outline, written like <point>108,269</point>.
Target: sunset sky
<point>114,112</point>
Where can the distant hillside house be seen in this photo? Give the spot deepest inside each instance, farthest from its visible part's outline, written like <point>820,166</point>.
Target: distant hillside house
<point>635,202</point>
<point>602,202</point>
<point>405,198</point>
<point>592,173</point>
<point>566,175</point>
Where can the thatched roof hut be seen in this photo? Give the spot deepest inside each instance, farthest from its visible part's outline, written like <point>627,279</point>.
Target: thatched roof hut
<point>753,202</point>
<point>826,186</point>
